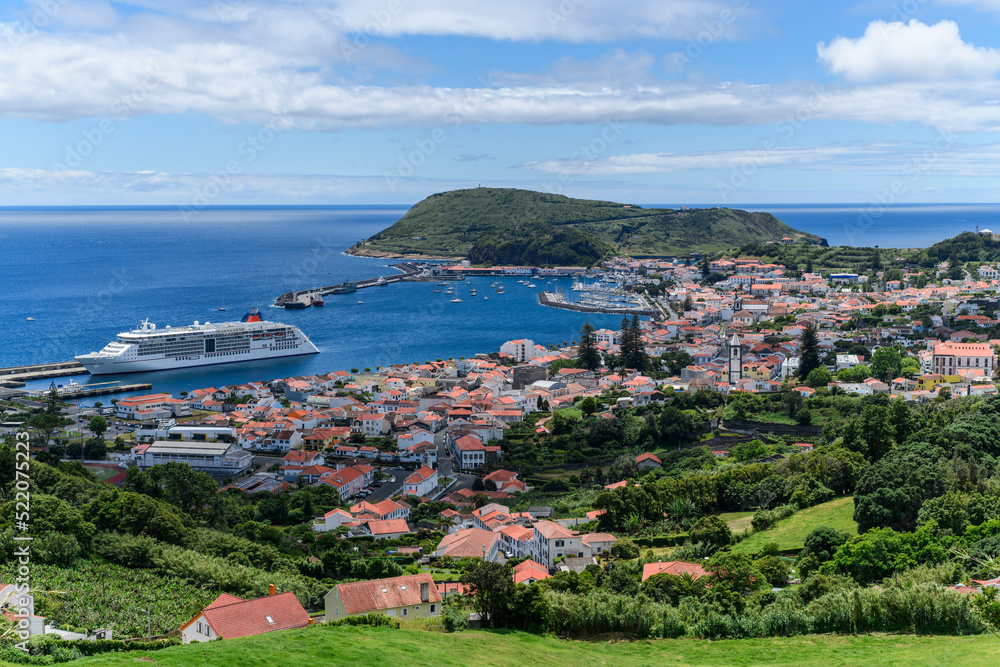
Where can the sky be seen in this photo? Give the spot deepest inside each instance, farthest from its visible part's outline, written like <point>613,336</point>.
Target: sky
<point>675,102</point>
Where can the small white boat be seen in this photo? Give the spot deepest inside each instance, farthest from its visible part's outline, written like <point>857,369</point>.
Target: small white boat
<point>360,301</point>
<point>222,309</point>
<point>456,301</point>
<point>485,298</point>
<point>29,319</point>
<point>530,285</point>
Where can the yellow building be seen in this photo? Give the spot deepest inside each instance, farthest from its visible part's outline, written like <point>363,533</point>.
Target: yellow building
<point>414,595</point>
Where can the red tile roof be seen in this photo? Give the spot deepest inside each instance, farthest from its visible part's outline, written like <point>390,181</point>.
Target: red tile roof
<point>673,567</point>
<point>361,597</point>
<point>231,617</point>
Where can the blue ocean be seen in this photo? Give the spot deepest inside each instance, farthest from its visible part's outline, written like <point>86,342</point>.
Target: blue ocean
<point>86,274</point>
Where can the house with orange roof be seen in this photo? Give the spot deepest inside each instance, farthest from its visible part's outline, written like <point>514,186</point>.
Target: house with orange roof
<point>387,529</point>
<point>674,567</point>
<point>528,572</point>
<point>228,617</point>
<point>413,595</point>
<point>469,543</point>
<point>648,460</point>
<point>421,482</point>
<point>332,520</point>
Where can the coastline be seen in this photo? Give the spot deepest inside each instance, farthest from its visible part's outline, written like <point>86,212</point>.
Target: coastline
<point>363,251</point>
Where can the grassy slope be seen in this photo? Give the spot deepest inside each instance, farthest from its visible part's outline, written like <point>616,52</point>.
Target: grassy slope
<point>791,533</point>
<point>381,646</point>
<point>452,221</point>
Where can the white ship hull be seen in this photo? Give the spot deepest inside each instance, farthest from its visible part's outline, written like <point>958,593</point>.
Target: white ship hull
<point>109,366</point>
<point>148,349</point>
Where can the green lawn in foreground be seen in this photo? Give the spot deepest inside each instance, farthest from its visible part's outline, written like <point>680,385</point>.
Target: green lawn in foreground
<point>343,646</point>
<point>791,533</point>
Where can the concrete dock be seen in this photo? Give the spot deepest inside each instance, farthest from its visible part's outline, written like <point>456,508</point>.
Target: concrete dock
<point>16,376</point>
<point>99,389</point>
<point>305,296</point>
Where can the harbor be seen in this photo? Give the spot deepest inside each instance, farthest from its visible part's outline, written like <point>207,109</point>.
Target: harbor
<point>301,299</point>
<point>635,306</point>
<point>16,376</point>
<point>74,390</point>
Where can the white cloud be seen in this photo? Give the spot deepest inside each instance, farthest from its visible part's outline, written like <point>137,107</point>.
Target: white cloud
<point>649,163</point>
<point>903,158</point>
<point>911,50</point>
<point>515,20</point>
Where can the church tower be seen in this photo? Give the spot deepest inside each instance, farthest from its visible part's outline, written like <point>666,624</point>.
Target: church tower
<point>735,360</point>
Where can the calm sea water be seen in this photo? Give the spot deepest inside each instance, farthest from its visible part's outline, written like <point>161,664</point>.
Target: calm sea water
<point>86,274</point>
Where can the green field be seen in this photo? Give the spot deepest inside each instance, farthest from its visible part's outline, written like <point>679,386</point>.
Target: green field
<point>791,533</point>
<point>320,645</point>
<point>737,521</point>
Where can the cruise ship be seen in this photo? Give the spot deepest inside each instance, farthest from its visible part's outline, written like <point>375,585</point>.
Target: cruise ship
<point>150,349</point>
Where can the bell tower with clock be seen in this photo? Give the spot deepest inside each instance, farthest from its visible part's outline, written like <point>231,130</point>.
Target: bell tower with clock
<point>735,360</point>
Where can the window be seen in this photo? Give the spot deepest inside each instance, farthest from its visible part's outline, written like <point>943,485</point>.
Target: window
<point>404,611</point>
<point>417,608</point>
<point>433,608</point>
<point>199,627</point>
<point>269,619</point>
<point>403,587</point>
<point>559,543</point>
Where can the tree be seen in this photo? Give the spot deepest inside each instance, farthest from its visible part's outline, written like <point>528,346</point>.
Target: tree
<point>74,450</point>
<point>52,400</point>
<point>589,405</point>
<point>674,427</point>
<point>45,424</point>
<point>95,449</point>
<point>773,569</point>
<point>686,305</point>
<point>804,417</point>
<point>492,588</point>
<point>886,363</point>
<point>587,354</point>
<point>823,543</point>
<point>809,265</point>
<point>735,572</point>
<point>98,426</point>
<point>819,377</point>
<point>712,532</point>
<point>638,358</point>
<point>746,452</point>
<point>809,345</point>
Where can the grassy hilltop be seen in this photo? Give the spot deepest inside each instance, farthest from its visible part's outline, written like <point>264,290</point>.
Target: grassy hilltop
<point>509,226</point>
<point>347,646</point>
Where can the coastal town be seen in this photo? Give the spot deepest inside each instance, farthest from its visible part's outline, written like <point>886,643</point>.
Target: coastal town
<point>379,444</point>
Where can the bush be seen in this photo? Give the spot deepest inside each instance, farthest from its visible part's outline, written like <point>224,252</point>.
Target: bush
<point>454,619</point>
<point>374,620</point>
<point>921,608</point>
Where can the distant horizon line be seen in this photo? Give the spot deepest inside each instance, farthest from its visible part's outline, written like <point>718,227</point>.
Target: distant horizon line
<point>167,207</point>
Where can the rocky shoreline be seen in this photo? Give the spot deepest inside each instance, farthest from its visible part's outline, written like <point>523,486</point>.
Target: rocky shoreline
<point>363,251</point>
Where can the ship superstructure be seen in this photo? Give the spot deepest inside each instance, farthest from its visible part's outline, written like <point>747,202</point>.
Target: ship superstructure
<point>150,349</point>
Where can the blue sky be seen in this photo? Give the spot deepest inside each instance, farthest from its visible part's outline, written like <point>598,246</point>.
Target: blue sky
<point>386,101</point>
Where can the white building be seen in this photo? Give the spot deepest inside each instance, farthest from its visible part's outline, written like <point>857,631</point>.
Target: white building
<point>522,350</point>
<point>422,482</point>
<point>949,358</point>
<point>217,458</point>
